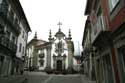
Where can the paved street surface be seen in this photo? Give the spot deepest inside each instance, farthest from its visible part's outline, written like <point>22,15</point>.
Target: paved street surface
<point>64,79</point>
<point>12,79</point>
<point>39,77</point>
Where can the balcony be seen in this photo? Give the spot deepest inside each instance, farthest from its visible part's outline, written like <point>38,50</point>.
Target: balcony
<point>9,19</point>
<point>13,23</point>
<point>3,8</point>
<point>100,34</point>
<point>9,45</point>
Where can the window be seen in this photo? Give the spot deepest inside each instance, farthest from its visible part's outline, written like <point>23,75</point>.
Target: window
<point>16,21</point>
<point>60,46</point>
<point>107,69</point>
<point>121,51</point>
<point>112,4</point>
<point>99,25</point>
<point>13,39</point>
<point>96,4</point>
<point>41,55</point>
<point>3,6</point>
<point>1,1</point>
<point>23,50</point>
<point>22,34</point>
<point>123,56</point>
<point>8,34</point>
<point>101,19</point>
<point>11,15</point>
<point>41,61</point>
<point>1,29</point>
<point>20,47</point>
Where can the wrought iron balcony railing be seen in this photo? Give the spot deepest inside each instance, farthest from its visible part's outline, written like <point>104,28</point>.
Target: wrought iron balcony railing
<point>13,24</point>
<point>4,8</point>
<point>6,43</point>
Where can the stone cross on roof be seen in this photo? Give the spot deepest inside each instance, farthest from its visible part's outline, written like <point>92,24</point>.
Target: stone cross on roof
<point>59,24</point>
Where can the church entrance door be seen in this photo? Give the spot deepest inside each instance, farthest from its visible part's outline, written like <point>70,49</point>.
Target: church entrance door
<point>59,65</point>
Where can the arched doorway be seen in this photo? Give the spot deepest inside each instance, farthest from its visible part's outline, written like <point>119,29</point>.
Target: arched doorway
<point>59,65</point>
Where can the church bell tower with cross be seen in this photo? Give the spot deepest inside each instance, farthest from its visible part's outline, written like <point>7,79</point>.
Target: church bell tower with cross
<point>60,51</point>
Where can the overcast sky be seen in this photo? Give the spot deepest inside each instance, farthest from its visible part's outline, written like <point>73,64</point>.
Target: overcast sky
<point>44,15</point>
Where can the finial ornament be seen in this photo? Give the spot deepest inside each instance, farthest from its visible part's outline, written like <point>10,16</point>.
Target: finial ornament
<point>59,25</point>
<point>70,34</point>
<point>35,37</point>
<point>50,34</point>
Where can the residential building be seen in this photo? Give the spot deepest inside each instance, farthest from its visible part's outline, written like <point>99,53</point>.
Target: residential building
<point>11,16</point>
<point>41,56</point>
<point>107,36</point>
<point>32,57</point>
<point>88,60</point>
<point>22,43</point>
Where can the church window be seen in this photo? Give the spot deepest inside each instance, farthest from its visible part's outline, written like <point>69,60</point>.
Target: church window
<point>60,47</point>
<point>20,47</point>
<point>41,62</point>
<point>41,55</point>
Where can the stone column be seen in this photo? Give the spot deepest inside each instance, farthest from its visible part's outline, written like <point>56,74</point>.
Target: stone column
<point>48,66</point>
<point>64,64</point>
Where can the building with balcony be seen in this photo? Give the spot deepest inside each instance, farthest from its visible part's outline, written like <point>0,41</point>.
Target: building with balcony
<point>11,17</point>
<point>22,42</point>
<point>108,36</point>
<point>35,54</point>
<point>41,56</point>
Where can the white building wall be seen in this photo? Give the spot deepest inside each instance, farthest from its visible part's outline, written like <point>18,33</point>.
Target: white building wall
<point>30,55</point>
<point>52,52</point>
<point>67,60</point>
<point>65,52</point>
<point>45,58</point>
<point>23,40</point>
<point>45,61</point>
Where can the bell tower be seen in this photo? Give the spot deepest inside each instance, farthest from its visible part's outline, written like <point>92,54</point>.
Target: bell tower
<point>50,36</point>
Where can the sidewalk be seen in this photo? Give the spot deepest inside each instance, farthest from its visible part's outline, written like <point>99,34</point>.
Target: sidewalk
<point>12,79</point>
<point>86,80</point>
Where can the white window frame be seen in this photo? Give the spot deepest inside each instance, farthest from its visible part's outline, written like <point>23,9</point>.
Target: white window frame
<point>112,4</point>
<point>102,22</point>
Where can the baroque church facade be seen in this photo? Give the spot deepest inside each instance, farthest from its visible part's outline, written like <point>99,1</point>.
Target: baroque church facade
<point>61,51</point>
<point>56,54</point>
